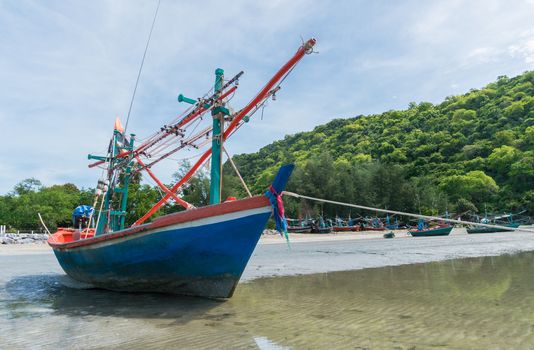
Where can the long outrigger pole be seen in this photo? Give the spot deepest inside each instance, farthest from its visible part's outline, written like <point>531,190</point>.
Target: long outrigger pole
<point>264,93</point>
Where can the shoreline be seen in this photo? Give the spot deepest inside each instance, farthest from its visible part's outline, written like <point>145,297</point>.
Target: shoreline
<point>323,253</point>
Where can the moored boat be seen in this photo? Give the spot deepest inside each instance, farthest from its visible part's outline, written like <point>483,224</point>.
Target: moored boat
<point>199,251</point>
<point>346,228</point>
<point>482,229</point>
<point>321,230</point>
<point>372,224</point>
<point>299,226</point>
<point>506,220</point>
<point>320,226</point>
<point>432,231</point>
<point>299,229</point>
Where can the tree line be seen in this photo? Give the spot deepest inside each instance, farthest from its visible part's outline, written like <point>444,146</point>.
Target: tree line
<point>473,152</point>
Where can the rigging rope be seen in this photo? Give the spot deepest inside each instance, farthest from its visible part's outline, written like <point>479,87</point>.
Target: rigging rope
<point>141,67</point>
<point>237,172</point>
<point>296,195</point>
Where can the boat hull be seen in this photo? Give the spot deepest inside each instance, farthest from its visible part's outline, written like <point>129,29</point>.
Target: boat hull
<point>346,228</point>
<point>299,229</point>
<point>202,257</point>
<point>441,231</point>
<point>321,230</point>
<point>480,229</point>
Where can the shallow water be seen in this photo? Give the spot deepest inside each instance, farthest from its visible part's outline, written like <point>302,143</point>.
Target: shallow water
<point>475,303</point>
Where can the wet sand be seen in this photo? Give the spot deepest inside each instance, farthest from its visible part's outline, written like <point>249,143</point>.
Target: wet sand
<point>319,253</point>
<point>315,253</point>
<point>475,303</point>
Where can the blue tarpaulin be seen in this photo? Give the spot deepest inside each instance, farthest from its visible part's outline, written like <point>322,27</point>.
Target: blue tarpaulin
<point>82,211</point>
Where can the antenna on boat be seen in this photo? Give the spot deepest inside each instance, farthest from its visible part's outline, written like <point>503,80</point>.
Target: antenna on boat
<point>141,67</point>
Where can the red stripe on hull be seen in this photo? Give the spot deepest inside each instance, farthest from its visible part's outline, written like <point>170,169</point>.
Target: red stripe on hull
<point>346,228</point>
<point>55,240</point>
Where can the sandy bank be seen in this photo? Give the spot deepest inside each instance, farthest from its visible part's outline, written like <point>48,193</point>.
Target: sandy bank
<point>340,252</point>
<point>319,253</point>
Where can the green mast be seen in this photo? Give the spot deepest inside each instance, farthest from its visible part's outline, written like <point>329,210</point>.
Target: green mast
<point>111,218</point>
<point>217,140</point>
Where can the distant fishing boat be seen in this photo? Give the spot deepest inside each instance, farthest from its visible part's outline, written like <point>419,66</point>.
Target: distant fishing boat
<point>432,231</point>
<point>299,225</point>
<point>199,251</point>
<point>422,231</point>
<point>345,226</point>
<point>374,224</point>
<point>501,220</point>
<point>390,225</point>
<point>482,229</point>
<point>319,226</point>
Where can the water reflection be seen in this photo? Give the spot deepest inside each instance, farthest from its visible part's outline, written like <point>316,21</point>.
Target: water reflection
<point>475,303</point>
<point>53,291</point>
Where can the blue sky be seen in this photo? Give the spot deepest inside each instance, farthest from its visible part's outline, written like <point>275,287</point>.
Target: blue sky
<point>67,68</point>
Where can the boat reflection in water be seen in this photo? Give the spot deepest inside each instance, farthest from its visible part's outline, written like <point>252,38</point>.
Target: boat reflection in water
<point>454,304</point>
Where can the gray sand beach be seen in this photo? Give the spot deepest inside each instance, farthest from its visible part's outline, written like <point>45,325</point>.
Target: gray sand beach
<point>344,291</point>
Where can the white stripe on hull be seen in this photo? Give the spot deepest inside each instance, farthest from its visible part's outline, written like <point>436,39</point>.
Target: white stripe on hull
<point>196,223</point>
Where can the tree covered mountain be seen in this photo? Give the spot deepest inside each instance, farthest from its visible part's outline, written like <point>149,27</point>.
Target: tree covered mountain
<point>469,153</point>
<point>472,151</point>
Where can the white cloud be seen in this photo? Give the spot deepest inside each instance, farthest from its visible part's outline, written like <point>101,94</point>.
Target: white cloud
<point>67,69</point>
<point>524,48</point>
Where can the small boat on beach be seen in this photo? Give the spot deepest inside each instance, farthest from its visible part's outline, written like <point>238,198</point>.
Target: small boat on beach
<point>345,226</point>
<point>321,230</point>
<point>500,220</point>
<point>482,229</point>
<point>440,230</point>
<point>299,229</point>
<point>373,224</point>
<point>299,226</point>
<point>320,226</point>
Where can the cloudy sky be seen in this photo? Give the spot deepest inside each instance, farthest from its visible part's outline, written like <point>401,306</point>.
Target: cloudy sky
<point>67,68</point>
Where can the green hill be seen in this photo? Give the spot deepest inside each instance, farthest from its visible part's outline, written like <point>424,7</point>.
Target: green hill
<point>475,149</point>
<point>471,152</point>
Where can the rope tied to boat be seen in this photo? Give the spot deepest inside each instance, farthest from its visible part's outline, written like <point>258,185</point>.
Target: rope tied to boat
<point>278,212</point>
<point>396,212</point>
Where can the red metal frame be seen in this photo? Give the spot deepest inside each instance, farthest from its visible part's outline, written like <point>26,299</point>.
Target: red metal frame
<point>264,93</point>
<point>163,187</point>
<point>197,112</point>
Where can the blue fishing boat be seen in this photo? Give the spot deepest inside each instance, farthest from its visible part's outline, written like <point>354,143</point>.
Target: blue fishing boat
<point>199,251</point>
